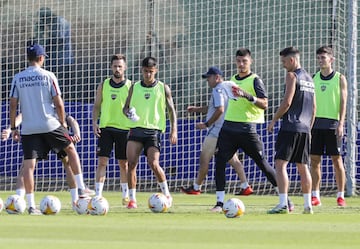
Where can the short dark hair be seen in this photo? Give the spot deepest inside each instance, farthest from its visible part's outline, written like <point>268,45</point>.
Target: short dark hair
<point>243,52</point>
<point>116,57</point>
<point>149,62</point>
<point>325,50</point>
<point>289,51</point>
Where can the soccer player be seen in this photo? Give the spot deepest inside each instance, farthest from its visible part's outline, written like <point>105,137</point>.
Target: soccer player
<point>149,99</point>
<point>297,110</point>
<point>328,129</point>
<point>70,178</point>
<point>37,90</point>
<point>239,128</point>
<point>214,119</point>
<point>113,127</point>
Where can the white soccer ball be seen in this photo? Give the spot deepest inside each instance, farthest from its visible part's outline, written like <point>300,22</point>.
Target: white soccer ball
<point>1,205</point>
<point>98,205</point>
<point>81,205</point>
<point>233,208</point>
<point>14,204</point>
<point>158,203</point>
<point>50,204</point>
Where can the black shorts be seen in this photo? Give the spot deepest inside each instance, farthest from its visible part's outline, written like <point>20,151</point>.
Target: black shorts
<point>37,146</point>
<point>110,137</point>
<point>148,138</point>
<point>293,147</point>
<point>229,142</point>
<point>325,142</point>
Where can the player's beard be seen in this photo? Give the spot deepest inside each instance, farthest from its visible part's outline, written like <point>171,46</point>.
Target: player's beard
<point>117,75</point>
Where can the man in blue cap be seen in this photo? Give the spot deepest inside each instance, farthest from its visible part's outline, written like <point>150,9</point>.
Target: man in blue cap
<point>43,126</point>
<point>215,112</point>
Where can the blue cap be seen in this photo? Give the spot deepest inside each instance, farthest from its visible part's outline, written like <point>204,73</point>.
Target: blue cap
<point>35,50</point>
<point>213,71</point>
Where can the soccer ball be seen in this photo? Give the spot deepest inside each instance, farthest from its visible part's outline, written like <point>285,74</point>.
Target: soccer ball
<point>1,205</point>
<point>233,208</point>
<point>98,205</point>
<point>14,204</point>
<point>50,205</point>
<point>158,203</point>
<point>81,205</point>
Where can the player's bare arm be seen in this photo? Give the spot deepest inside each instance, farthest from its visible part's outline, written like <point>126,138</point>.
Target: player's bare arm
<point>343,99</point>
<point>5,134</point>
<point>259,102</point>
<point>172,115</point>
<point>197,109</point>
<point>60,109</point>
<point>71,121</point>
<point>290,87</point>
<point>13,108</point>
<point>128,100</point>
<point>96,110</point>
<point>216,115</point>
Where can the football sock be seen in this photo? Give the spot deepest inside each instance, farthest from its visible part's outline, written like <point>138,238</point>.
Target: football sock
<point>125,190</point>
<point>30,200</point>
<point>220,196</point>
<point>132,194</point>
<point>80,181</point>
<point>196,186</point>
<point>283,199</point>
<point>244,185</point>
<point>164,188</point>
<point>74,194</point>
<point>99,186</point>
<point>307,200</point>
<point>20,192</point>
<point>316,193</point>
<point>341,194</point>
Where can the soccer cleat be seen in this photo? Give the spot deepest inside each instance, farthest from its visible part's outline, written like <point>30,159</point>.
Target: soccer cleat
<point>308,210</point>
<point>341,202</point>
<point>190,190</point>
<point>291,205</point>
<point>315,201</point>
<point>88,191</point>
<point>34,211</point>
<point>217,208</point>
<point>125,201</point>
<point>279,210</point>
<point>131,205</point>
<point>82,193</point>
<point>169,201</point>
<point>245,191</point>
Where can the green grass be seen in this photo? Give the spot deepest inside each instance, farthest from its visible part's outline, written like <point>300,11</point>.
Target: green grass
<point>188,224</point>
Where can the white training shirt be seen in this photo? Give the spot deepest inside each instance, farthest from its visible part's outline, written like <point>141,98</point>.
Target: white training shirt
<point>35,88</point>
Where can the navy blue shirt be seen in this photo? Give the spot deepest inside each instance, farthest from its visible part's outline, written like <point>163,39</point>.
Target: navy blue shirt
<point>298,117</point>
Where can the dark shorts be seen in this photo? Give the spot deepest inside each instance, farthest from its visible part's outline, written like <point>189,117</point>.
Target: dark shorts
<point>109,138</point>
<point>37,146</point>
<point>293,147</point>
<point>230,141</point>
<point>325,142</point>
<point>148,138</point>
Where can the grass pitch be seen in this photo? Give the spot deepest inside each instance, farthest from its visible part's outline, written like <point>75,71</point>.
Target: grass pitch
<point>188,224</point>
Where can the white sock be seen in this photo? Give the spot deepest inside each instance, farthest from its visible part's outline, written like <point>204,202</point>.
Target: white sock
<point>164,188</point>
<point>244,185</point>
<point>283,199</point>
<point>316,193</point>
<point>99,186</point>
<point>125,190</point>
<point>132,194</point>
<point>79,181</point>
<point>31,200</point>
<point>220,196</point>
<point>196,186</point>
<point>74,194</point>
<point>341,194</point>
<point>307,200</point>
<point>20,192</point>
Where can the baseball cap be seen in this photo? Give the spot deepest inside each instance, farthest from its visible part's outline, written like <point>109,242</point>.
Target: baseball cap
<point>36,50</point>
<point>213,71</point>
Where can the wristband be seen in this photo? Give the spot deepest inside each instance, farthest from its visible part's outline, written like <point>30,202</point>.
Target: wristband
<point>13,128</point>
<point>207,124</point>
